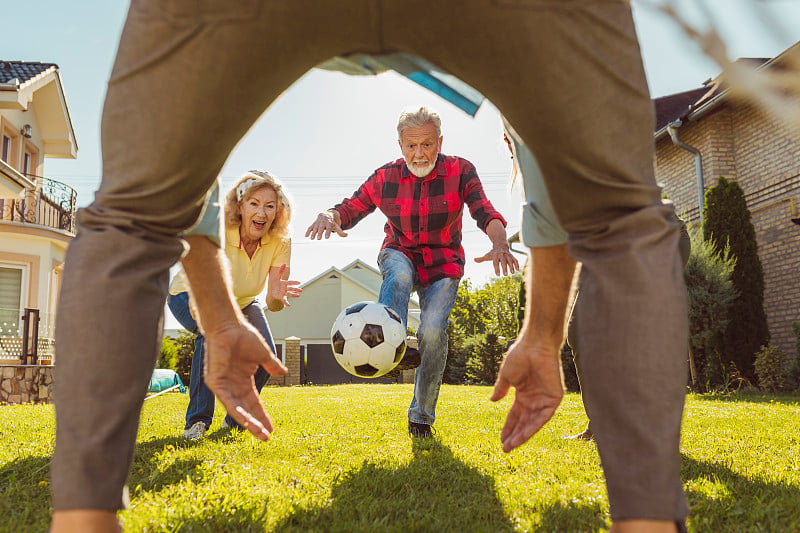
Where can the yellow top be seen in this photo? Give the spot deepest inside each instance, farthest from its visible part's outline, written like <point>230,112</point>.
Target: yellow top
<point>249,275</point>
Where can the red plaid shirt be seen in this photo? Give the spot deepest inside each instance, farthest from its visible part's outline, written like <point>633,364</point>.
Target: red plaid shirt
<point>424,214</point>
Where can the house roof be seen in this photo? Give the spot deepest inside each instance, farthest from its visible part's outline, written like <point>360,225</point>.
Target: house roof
<point>21,72</point>
<point>669,108</point>
<point>23,83</point>
<point>692,104</point>
<point>343,272</point>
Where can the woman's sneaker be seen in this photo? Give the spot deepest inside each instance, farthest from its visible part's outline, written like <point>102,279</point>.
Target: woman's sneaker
<point>195,432</point>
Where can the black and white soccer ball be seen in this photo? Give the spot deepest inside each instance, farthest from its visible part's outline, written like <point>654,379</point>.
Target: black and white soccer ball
<point>368,339</point>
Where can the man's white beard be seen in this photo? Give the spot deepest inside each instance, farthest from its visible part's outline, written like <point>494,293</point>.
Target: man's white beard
<point>420,172</point>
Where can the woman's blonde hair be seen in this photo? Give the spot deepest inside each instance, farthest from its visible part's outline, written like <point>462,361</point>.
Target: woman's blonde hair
<point>250,183</point>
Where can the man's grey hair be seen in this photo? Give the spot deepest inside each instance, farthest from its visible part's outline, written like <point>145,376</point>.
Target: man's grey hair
<point>417,119</point>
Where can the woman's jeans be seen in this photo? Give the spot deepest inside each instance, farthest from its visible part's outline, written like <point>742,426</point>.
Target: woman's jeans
<point>201,399</point>
<point>436,301</point>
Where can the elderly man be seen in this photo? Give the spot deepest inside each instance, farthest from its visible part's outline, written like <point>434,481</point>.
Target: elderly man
<point>569,78</point>
<point>422,196</point>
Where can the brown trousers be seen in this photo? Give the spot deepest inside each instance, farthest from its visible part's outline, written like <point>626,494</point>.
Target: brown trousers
<point>191,77</point>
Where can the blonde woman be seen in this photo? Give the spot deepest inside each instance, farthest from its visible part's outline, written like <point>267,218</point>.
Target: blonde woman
<point>257,245</point>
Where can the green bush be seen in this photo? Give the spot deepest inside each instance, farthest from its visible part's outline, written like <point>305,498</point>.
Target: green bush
<point>491,309</point>
<point>727,222</point>
<point>710,293</point>
<point>793,376</point>
<point>184,345</point>
<point>168,357</point>
<point>485,359</point>
<point>455,367</point>
<point>770,366</point>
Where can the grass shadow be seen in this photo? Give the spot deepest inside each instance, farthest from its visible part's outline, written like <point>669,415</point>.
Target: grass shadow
<point>25,494</point>
<point>146,476</point>
<point>435,491</point>
<point>573,517</point>
<point>737,502</point>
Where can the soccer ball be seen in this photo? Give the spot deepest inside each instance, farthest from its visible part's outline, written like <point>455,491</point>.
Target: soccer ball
<point>368,339</point>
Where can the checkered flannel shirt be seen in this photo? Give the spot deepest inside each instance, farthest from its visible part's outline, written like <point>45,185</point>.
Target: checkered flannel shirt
<point>424,214</point>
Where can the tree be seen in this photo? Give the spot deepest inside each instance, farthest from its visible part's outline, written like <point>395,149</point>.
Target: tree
<point>727,222</point>
<point>710,291</point>
<point>169,354</point>
<point>485,359</point>
<point>185,347</point>
<point>477,312</point>
<point>465,315</point>
<point>498,305</point>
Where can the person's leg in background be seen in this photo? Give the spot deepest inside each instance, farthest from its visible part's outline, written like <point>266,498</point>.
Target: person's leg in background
<point>572,340</point>
<point>255,315</point>
<point>201,399</point>
<point>436,301</point>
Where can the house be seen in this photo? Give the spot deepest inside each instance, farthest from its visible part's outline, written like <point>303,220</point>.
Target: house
<point>705,133</point>
<point>36,212</point>
<point>310,318</point>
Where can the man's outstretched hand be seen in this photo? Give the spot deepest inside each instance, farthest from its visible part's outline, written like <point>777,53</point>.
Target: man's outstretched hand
<point>325,224</point>
<point>535,373</point>
<point>232,356</point>
<point>502,259</point>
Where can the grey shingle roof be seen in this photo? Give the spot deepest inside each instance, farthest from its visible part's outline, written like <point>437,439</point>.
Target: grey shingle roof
<point>22,70</point>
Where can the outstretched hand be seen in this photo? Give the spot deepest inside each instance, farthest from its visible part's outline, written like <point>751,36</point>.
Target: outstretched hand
<point>232,356</point>
<point>535,373</point>
<point>284,288</point>
<point>323,226</point>
<point>502,258</point>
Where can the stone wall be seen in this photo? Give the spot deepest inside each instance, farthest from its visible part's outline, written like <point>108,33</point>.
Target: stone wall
<point>26,384</point>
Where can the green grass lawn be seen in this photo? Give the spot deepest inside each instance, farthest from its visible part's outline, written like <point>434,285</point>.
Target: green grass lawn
<point>341,460</point>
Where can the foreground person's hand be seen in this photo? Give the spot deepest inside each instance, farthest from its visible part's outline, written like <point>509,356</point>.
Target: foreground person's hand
<point>535,373</point>
<point>232,356</point>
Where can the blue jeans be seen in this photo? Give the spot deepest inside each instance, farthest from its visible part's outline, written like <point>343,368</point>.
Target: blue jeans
<point>201,399</point>
<point>436,301</point>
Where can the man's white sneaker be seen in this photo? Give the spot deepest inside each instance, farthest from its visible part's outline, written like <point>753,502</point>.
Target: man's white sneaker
<point>195,432</point>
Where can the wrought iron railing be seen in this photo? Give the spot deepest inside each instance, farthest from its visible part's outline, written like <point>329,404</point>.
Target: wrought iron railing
<point>50,204</point>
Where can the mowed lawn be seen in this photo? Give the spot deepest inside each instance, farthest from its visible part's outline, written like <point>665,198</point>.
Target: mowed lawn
<point>341,460</point>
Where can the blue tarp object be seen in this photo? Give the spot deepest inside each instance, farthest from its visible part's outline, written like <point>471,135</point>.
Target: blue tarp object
<point>162,379</point>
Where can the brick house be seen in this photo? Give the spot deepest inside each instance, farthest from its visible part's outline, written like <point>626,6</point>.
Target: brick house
<point>736,140</point>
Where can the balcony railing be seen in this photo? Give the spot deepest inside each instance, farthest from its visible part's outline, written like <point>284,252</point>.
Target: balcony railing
<point>50,204</point>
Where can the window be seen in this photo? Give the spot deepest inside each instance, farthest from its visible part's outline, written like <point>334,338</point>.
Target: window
<point>9,143</point>
<point>30,159</point>
<point>13,280</point>
<point>6,153</point>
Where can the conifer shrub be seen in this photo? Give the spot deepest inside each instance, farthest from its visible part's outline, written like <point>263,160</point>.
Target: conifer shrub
<point>727,222</point>
<point>710,294</point>
<point>770,367</point>
<point>485,359</point>
<point>794,369</point>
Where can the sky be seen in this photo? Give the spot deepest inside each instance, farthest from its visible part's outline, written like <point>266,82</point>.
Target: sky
<point>329,131</point>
